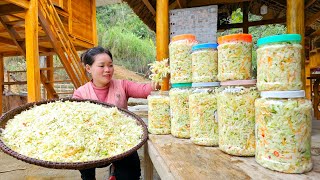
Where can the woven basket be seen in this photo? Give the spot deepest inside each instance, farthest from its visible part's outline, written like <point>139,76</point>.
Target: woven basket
<point>73,165</point>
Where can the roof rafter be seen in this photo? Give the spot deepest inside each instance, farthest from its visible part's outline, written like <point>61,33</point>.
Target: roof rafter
<point>8,9</point>
<point>150,7</point>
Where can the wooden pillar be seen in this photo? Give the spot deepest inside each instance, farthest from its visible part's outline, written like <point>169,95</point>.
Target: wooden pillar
<point>245,16</point>
<point>50,74</point>
<point>94,23</point>
<point>32,52</point>
<point>295,24</point>
<point>162,35</point>
<point>1,81</point>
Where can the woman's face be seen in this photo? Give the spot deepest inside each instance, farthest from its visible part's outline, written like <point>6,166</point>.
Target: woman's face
<point>101,70</point>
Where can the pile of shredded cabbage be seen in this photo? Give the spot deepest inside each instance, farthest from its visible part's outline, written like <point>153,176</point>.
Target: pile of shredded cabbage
<point>159,114</point>
<point>234,61</point>
<point>205,65</point>
<point>179,107</point>
<point>159,70</point>
<point>279,67</point>
<point>180,61</point>
<point>237,121</point>
<point>203,114</point>
<point>283,134</point>
<point>71,132</point>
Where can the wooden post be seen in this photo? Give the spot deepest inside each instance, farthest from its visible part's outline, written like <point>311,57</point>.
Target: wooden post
<point>50,74</point>
<point>1,81</point>
<point>32,52</point>
<point>94,23</point>
<point>162,35</point>
<point>295,24</point>
<point>245,18</point>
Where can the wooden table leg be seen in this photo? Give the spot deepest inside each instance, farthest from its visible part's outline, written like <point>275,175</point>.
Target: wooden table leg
<point>148,166</point>
<point>316,99</point>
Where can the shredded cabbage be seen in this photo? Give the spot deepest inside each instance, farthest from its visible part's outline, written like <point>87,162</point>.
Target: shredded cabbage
<point>203,114</point>
<point>179,107</point>
<point>180,61</point>
<point>283,134</point>
<point>159,114</point>
<point>205,65</point>
<point>159,70</point>
<point>234,61</point>
<point>71,132</point>
<point>279,67</point>
<point>236,120</point>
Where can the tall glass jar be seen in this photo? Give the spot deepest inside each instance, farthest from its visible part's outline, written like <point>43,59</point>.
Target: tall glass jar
<point>279,63</point>
<point>159,112</point>
<point>204,63</point>
<point>203,114</point>
<point>283,131</point>
<point>236,117</point>
<point>180,58</point>
<point>179,108</point>
<point>234,54</point>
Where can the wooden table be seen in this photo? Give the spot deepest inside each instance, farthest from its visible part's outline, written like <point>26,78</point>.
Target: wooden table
<point>181,159</point>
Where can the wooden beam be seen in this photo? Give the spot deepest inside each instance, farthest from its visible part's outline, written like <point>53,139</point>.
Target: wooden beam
<point>309,3</point>
<point>295,24</point>
<point>252,23</point>
<point>10,9</point>
<point>7,41</point>
<point>50,74</point>
<point>162,35</point>
<point>212,2</point>
<point>14,35</point>
<point>182,3</point>
<point>315,33</point>
<point>1,81</point>
<point>245,21</point>
<point>22,3</point>
<point>48,86</point>
<point>312,19</point>
<point>94,23</point>
<point>150,7</point>
<point>32,52</point>
<point>173,5</point>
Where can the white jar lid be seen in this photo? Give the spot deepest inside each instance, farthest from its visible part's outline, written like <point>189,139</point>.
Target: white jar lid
<point>283,94</point>
<point>206,84</point>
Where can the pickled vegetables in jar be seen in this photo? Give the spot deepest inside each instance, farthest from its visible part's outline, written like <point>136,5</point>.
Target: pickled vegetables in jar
<point>159,113</point>
<point>234,54</point>
<point>283,131</point>
<point>279,63</point>
<point>236,117</point>
<point>203,114</point>
<point>179,109</point>
<point>180,58</point>
<point>204,63</point>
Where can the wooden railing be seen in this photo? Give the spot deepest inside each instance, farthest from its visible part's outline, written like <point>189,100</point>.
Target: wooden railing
<point>52,25</point>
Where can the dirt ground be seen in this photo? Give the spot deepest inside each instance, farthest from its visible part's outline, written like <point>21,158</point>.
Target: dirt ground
<point>123,73</point>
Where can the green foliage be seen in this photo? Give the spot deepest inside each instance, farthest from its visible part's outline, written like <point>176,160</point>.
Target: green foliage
<point>130,41</point>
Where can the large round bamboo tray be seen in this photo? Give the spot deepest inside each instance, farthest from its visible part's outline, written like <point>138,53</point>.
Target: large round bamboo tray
<point>63,165</point>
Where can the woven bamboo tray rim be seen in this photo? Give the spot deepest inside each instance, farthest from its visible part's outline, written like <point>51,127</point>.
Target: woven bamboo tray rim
<point>69,165</point>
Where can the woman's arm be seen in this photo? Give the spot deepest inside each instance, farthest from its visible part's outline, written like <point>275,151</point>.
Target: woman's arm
<point>137,90</point>
<point>77,94</point>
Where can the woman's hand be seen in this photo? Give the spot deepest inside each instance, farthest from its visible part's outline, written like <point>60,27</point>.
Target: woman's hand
<point>155,86</point>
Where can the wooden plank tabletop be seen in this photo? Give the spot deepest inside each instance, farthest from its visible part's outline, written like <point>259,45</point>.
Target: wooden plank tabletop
<point>175,158</point>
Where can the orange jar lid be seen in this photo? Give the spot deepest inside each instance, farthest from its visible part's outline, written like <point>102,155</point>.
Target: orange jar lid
<point>235,37</point>
<point>183,36</point>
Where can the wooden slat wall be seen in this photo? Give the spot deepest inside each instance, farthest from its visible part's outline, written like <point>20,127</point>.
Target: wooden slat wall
<point>82,19</point>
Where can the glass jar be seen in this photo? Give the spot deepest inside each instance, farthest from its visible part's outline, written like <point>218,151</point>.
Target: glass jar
<point>279,63</point>
<point>159,113</point>
<point>283,131</point>
<point>180,58</point>
<point>203,114</point>
<point>234,54</point>
<point>236,117</point>
<point>204,63</point>
<point>179,109</point>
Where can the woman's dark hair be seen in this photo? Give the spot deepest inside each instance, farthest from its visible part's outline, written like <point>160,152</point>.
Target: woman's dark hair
<point>88,56</point>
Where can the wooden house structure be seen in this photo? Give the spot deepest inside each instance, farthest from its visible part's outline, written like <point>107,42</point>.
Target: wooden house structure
<point>33,28</point>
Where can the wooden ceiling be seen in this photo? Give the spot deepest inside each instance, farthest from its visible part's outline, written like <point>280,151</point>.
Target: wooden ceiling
<point>145,9</point>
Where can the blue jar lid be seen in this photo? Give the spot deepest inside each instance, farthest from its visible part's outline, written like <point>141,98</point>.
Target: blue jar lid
<point>279,38</point>
<point>178,85</point>
<point>204,46</point>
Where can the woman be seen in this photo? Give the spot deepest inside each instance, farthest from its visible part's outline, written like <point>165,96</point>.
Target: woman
<point>98,62</point>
